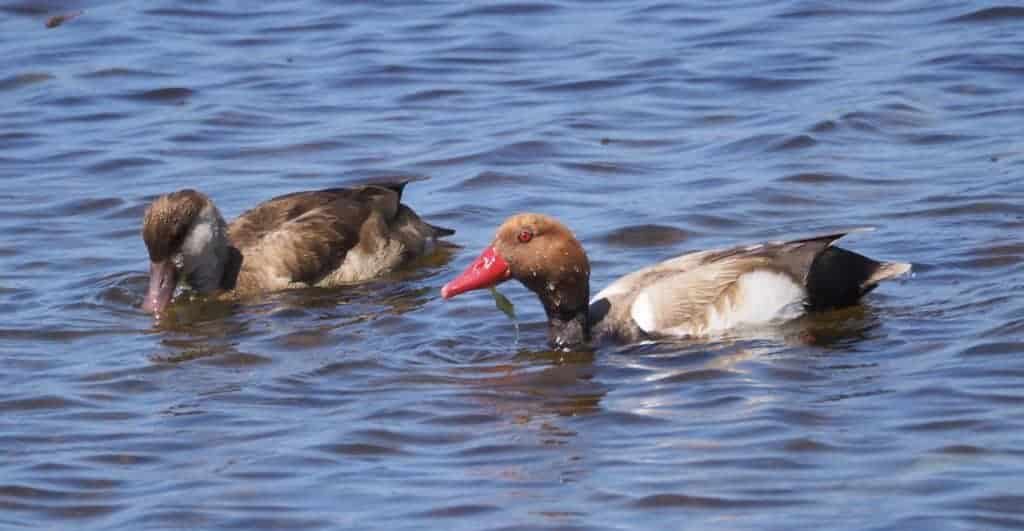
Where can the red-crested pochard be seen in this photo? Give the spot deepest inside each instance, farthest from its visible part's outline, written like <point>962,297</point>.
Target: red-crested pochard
<point>315,238</point>
<point>694,295</point>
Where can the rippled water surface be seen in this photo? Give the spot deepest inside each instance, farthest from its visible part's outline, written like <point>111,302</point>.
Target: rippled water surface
<point>650,128</point>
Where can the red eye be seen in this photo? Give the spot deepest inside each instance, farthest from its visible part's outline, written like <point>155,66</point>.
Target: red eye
<point>524,236</point>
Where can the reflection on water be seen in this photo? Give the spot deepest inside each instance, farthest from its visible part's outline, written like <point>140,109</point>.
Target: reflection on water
<point>200,326</point>
<point>650,128</point>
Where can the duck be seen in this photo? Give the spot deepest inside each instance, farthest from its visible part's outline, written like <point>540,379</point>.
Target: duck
<point>696,295</point>
<point>321,238</point>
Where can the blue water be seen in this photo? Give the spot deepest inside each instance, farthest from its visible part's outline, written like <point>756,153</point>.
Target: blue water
<point>649,128</point>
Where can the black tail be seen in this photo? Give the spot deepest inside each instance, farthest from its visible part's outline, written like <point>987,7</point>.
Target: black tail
<point>839,278</point>
<point>440,232</point>
<point>395,183</point>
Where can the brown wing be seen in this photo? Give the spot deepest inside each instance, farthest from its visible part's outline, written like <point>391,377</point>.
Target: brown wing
<point>304,249</point>
<point>271,216</point>
<point>301,237</point>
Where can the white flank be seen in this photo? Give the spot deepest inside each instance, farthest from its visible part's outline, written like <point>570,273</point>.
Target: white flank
<point>642,312</point>
<point>761,297</point>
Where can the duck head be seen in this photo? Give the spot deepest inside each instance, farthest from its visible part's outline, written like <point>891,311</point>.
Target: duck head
<point>543,254</point>
<point>186,238</point>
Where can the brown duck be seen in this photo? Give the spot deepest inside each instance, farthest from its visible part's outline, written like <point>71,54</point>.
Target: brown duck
<point>315,238</point>
<point>698,294</point>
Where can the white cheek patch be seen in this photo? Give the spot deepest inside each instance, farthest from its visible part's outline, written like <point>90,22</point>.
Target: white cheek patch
<point>197,241</point>
<point>201,250</point>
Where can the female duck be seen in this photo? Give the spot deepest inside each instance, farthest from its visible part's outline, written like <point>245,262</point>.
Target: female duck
<point>315,238</point>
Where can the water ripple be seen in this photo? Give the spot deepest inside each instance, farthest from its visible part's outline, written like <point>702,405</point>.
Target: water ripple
<point>991,14</point>
<point>650,129</point>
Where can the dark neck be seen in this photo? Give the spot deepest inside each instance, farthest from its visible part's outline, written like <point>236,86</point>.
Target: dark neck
<point>231,269</point>
<point>568,331</point>
<point>568,311</point>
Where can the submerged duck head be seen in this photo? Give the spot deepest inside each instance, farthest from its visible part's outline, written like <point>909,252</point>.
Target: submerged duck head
<point>186,238</point>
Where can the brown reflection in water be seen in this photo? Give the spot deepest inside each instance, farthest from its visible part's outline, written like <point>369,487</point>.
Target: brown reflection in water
<point>58,20</point>
<point>535,402</point>
<point>197,326</point>
<point>824,329</point>
<point>565,387</point>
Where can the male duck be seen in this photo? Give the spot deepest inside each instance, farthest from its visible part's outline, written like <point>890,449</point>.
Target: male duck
<point>694,295</point>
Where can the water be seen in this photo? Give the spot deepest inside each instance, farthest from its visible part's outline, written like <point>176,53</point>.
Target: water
<point>650,128</point>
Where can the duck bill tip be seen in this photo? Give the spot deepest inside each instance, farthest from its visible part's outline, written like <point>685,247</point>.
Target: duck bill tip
<point>163,278</point>
<point>489,269</point>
